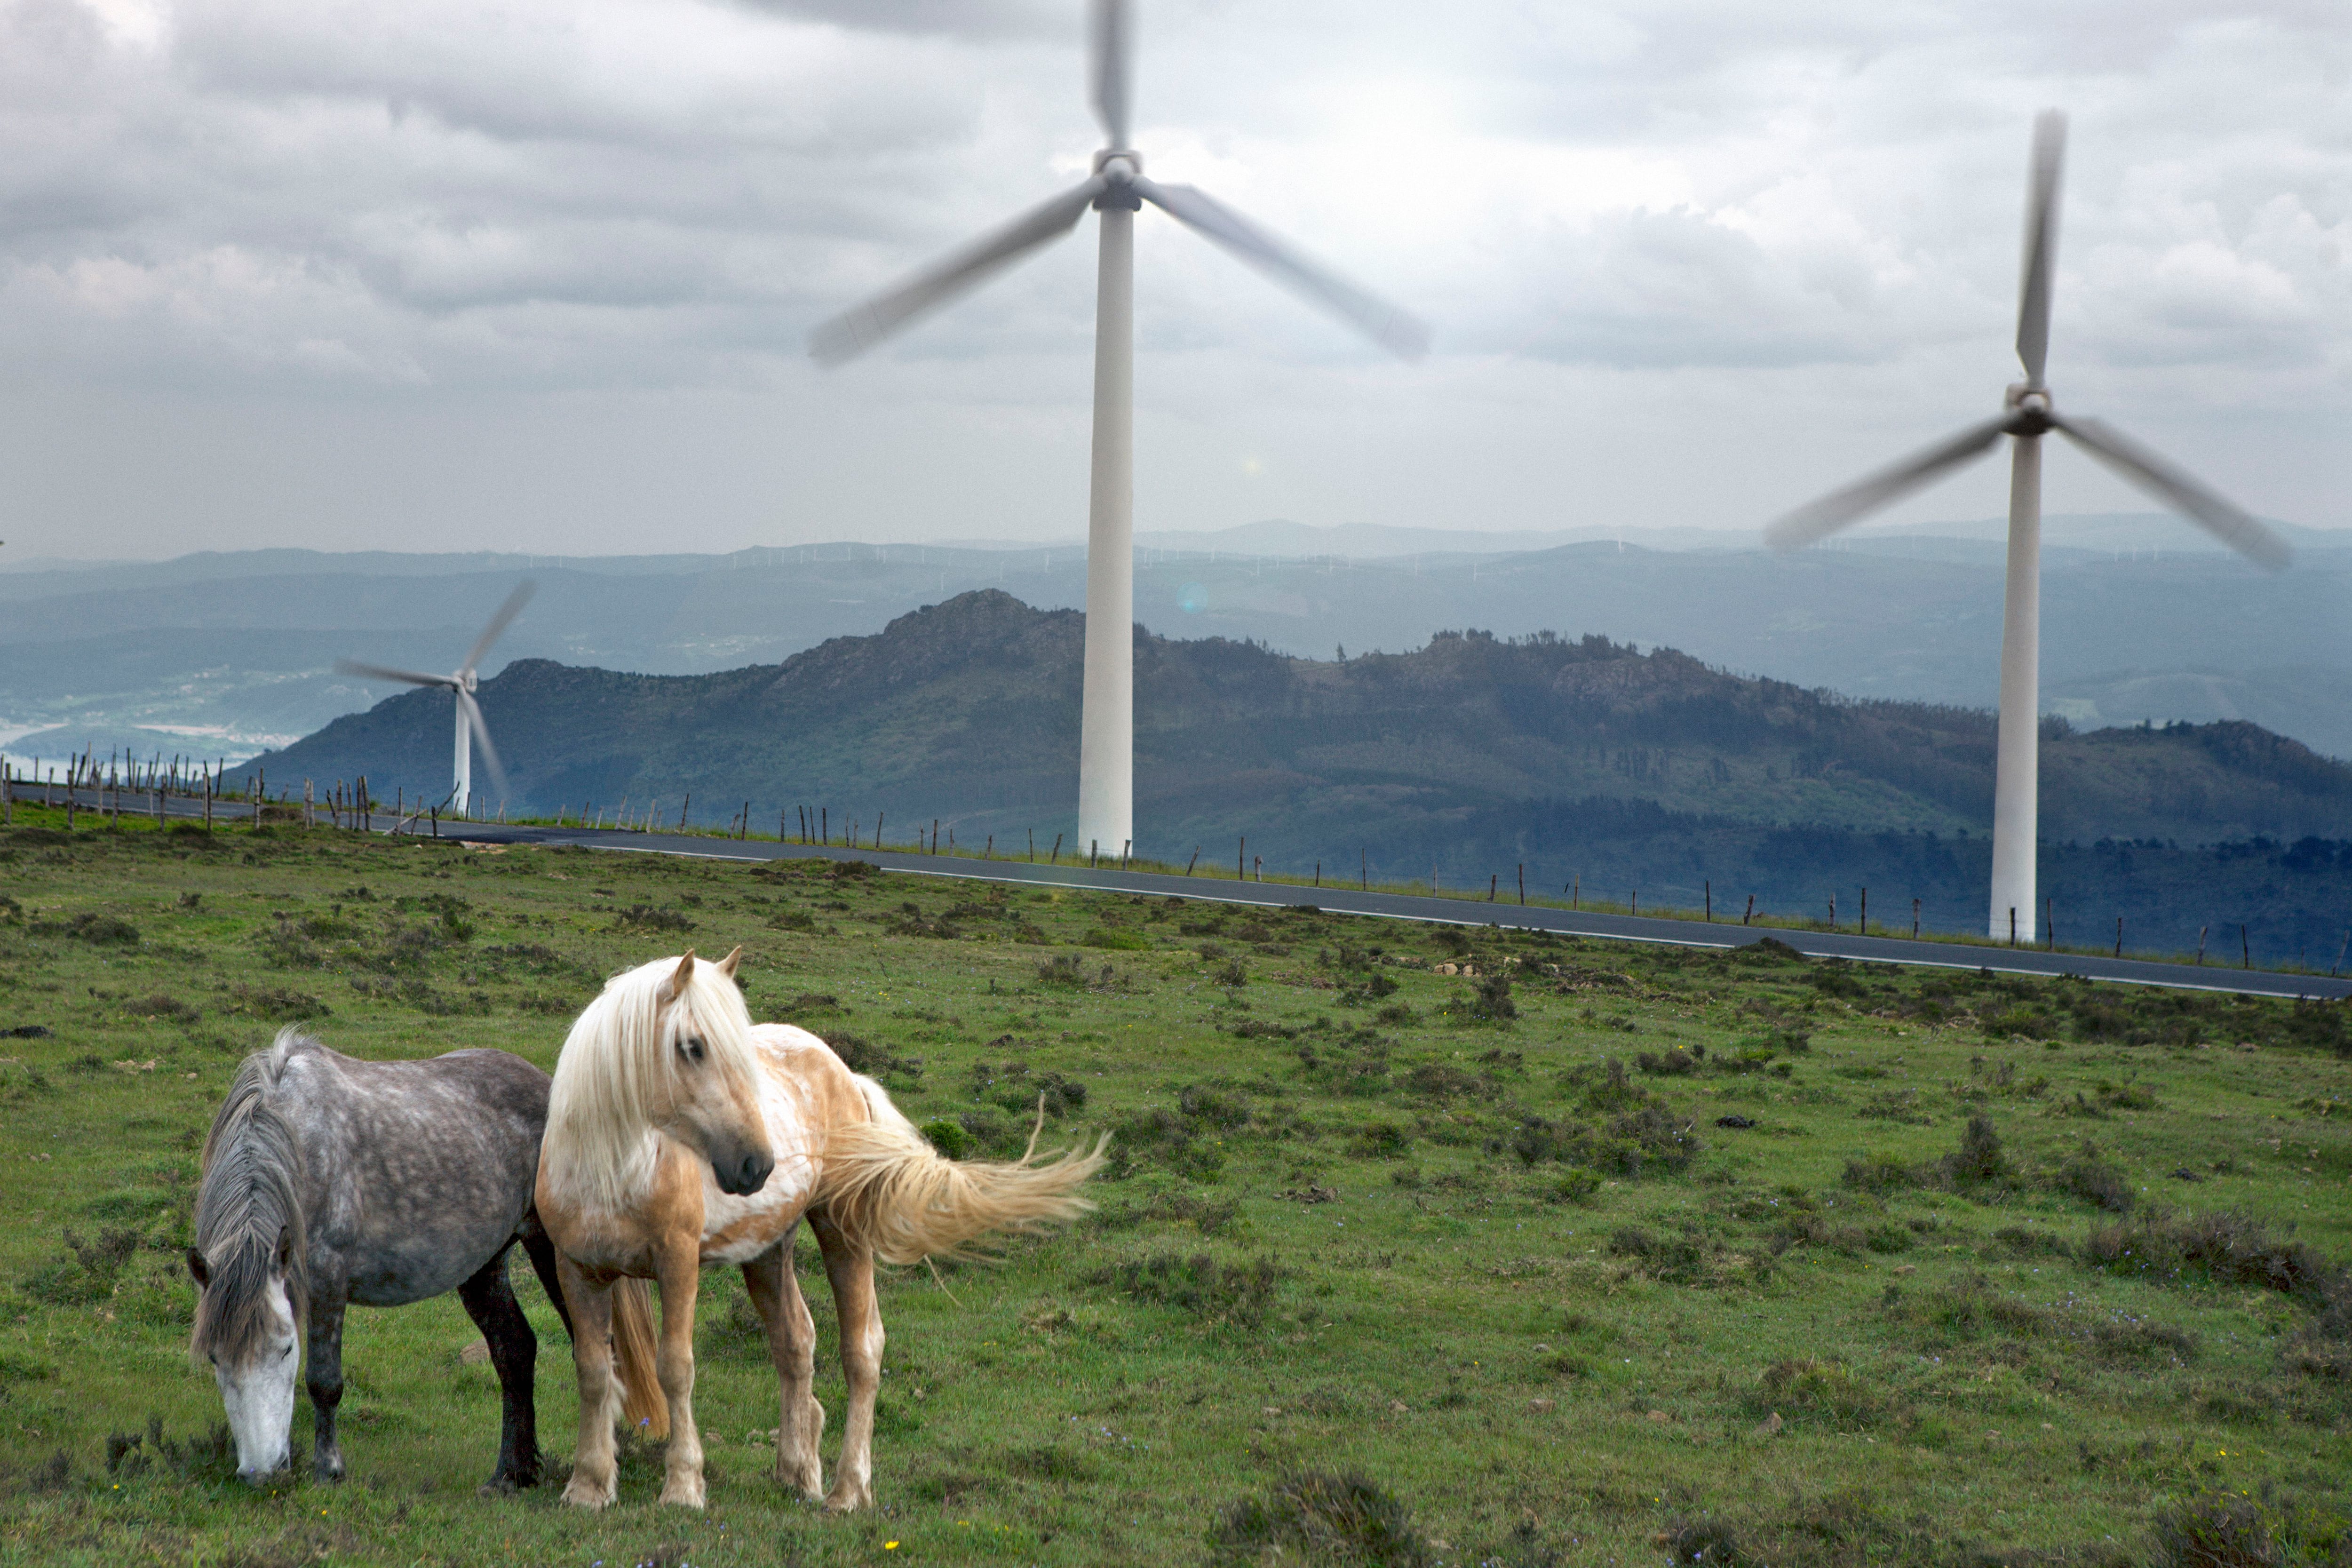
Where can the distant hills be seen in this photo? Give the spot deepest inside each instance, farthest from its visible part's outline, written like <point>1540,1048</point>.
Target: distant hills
<point>1582,759</point>
<point>234,652</point>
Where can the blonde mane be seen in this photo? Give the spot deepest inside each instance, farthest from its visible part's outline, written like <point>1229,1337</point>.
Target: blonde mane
<point>619,1060</point>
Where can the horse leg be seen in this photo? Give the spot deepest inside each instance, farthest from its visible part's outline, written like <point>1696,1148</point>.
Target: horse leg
<point>514,1351</point>
<point>541,1250</point>
<point>595,1469</point>
<point>850,1266</point>
<point>791,1346</point>
<point>322,1370</point>
<point>677,1265</point>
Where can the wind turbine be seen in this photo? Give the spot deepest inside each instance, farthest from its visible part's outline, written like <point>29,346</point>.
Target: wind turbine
<point>461,685</point>
<point>2029,415</point>
<point>1118,190</point>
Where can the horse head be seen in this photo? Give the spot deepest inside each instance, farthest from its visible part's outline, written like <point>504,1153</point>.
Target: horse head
<point>708,1099</point>
<point>249,1262</point>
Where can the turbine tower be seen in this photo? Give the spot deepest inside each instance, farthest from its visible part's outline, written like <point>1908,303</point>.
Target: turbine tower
<point>461,685</point>
<point>2028,414</point>
<point>1116,190</point>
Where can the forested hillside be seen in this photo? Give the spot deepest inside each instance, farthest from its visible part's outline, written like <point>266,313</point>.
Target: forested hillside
<point>1582,759</point>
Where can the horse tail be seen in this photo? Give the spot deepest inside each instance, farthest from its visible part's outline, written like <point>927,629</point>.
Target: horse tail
<point>644,1409</point>
<point>890,1191</point>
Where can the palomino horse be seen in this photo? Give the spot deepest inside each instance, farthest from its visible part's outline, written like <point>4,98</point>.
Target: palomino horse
<point>329,1181</point>
<point>678,1134</point>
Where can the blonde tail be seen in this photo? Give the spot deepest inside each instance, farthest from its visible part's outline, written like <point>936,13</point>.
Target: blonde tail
<point>644,1410</point>
<point>891,1192</point>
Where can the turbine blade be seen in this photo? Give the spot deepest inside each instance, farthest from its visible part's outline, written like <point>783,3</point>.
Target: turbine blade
<point>1859,500</point>
<point>482,737</point>
<point>378,672</point>
<point>852,332</point>
<point>2224,521</point>
<point>1110,39</point>
<point>1387,325</point>
<point>2040,245</point>
<point>500,622</point>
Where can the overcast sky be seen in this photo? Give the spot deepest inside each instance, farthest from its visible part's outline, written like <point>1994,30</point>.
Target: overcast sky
<point>538,275</point>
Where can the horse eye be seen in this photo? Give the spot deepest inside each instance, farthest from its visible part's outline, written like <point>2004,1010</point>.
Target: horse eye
<point>694,1050</point>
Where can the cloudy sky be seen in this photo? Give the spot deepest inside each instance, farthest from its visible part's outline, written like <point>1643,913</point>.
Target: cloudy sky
<point>535,275</point>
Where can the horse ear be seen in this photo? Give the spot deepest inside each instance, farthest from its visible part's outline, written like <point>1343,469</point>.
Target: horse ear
<point>198,1269</point>
<point>674,986</point>
<point>727,965</point>
<point>286,1249</point>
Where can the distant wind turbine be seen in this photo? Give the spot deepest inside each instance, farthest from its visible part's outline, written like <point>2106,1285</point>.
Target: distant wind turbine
<point>2028,416</point>
<point>461,685</point>
<point>1116,190</point>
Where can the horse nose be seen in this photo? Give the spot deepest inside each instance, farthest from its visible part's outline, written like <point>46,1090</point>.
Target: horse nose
<point>753,1173</point>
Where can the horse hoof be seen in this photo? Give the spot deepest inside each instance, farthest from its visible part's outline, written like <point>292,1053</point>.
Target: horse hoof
<point>583,1494</point>
<point>682,1493</point>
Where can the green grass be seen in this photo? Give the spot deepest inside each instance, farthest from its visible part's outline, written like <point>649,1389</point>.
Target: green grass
<point>1387,1257</point>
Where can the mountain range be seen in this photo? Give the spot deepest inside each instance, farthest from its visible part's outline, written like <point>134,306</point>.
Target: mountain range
<point>232,653</point>
<point>1591,764</point>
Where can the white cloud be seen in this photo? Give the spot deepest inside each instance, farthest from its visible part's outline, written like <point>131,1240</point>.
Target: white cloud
<point>1687,259</point>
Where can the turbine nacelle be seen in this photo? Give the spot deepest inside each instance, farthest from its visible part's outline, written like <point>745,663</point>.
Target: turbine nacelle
<point>2031,410</point>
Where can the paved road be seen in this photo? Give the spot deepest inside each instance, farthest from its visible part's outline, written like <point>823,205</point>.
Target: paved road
<point>1461,911</point>
<point>1384,906</point>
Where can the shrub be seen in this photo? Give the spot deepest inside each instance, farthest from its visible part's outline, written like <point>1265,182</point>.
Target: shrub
<point>87,1275</point>
<point>647,918</point>
<point>1675,1062</point>
<point>1978,1160</point>
<point>1491,1003</point>
<point>2216,1529</point>
<point>1972,1308</point>
<point>1118,940</point>
<point>1215,1292</point>
<point>1320,1516</point>
<point>1823,1389</point>
<point>873,1057</point>
<point>279,1002</point>
<point>1676,1260</point>
<point>104,930</point>
<point>947,1138</point>
<point>2090,1175</point>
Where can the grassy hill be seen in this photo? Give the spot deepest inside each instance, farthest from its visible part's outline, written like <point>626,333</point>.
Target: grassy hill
<point>1599,1253</point>
<point>1583,759</point>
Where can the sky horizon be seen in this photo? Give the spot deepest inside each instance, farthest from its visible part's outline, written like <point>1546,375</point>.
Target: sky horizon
<point>541,278</point>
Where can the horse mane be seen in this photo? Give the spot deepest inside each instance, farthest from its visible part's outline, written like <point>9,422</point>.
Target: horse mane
<point>617,1061</point>
<point>249,1200</point>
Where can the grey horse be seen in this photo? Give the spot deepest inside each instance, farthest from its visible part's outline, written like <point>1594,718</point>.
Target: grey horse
<point>328,1181</point>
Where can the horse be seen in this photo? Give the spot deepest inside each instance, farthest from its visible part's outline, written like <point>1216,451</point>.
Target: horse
<point>680,1134</point>
<point>329,1181</point>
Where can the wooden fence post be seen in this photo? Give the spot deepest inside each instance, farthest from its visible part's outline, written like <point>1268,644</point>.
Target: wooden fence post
<point>1058,850</point>
<point>1194,861</point>
<point>1915,920</point>
<point>1523,884</point>
<point>1751,911</point>
<point>2119,937</point>
<point>2245,949</point>
<point>2201,943</point>
<point>1709,889</point>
